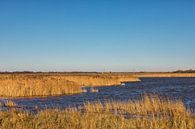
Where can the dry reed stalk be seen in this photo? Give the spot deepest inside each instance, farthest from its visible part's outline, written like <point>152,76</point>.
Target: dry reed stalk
<point>171,115</point>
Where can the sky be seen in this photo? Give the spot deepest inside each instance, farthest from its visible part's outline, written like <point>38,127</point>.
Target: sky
<point>101,35</point>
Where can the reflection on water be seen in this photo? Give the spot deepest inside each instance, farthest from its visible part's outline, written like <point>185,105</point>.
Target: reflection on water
<point>179,88</point>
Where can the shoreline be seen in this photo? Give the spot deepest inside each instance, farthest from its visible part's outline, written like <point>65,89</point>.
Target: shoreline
<point>151,110</point>
<point>139,75</point>
<point>42,85</point>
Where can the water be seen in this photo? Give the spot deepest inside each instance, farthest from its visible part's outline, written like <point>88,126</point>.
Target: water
<point>177,88</point>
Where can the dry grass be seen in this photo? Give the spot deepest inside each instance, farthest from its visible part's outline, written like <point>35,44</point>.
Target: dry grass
<point>164,74</point>
<point>151,112</point>
<point>32,85</point>
<point>10,103</point>
<point>17,85</point>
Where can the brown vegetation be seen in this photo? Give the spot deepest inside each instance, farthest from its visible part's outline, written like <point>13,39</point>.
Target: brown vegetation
<point>10,103</point>
<point>151,112</point>
<point>45,84</point>
<point>164,74</point>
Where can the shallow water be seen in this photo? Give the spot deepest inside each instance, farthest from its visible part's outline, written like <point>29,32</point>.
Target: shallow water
<point>177,88</point>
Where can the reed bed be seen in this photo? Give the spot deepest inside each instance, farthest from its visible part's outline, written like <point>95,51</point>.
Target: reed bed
<point>27,85</point>
<point>151,112</point>
<point>164,74</point>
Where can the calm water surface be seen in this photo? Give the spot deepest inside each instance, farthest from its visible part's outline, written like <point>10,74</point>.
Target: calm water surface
<point>177,88</point>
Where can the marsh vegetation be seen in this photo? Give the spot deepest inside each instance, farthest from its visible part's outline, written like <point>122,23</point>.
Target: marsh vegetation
<point>150,112</point>
<point>48,84</point>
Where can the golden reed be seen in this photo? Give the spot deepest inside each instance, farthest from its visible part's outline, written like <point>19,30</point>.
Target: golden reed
<point>151,112</point>
<point>44,84</point>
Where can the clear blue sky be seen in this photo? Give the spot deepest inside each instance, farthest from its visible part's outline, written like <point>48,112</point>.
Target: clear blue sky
<point>100,35</point>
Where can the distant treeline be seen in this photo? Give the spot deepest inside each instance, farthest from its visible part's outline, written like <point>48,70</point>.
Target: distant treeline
<point>80,72</point>
<point>29,72</point>
<point>185,71</point>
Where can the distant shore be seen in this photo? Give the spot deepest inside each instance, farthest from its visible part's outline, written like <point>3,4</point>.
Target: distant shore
<point>52,84</point>
<point>165,74</point>
<point>32,84</point>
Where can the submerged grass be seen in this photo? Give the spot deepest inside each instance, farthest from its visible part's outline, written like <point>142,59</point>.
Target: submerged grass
<point>9,103</point>
<point>151,112</point>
